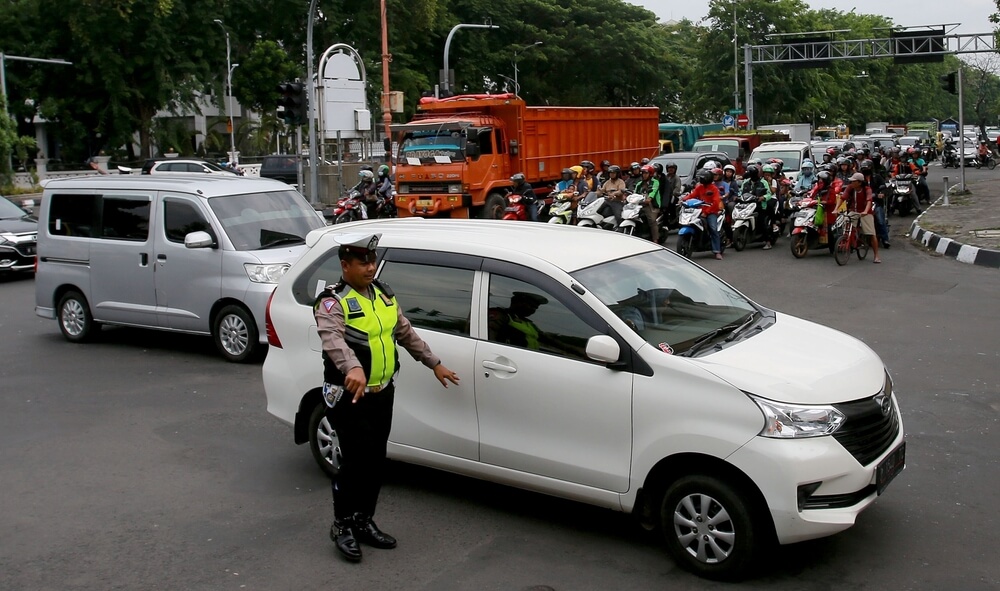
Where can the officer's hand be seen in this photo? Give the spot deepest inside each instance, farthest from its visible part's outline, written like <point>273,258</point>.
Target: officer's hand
<point>355,383</point>
<point>442,374</point>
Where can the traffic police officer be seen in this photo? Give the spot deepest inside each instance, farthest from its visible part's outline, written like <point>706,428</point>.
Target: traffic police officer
<point>360,323</point>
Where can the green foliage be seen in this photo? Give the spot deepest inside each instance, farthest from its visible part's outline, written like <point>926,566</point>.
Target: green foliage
<point>10,144</point>
<point>256,79</point>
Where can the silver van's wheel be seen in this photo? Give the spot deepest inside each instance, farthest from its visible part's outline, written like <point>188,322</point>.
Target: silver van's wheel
<point>235,334</point>
<point>709,527</point>
<point>75,321</point>
<point>323,441</point>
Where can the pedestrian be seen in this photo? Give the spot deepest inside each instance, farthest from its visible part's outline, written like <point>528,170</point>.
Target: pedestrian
<point>356,317</point>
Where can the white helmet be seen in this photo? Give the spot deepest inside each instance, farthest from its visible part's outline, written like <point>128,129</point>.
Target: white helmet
<point>710,165</point>
<point>729,167</point>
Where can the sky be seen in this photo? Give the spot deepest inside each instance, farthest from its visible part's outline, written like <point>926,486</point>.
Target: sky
<point>972,14</point>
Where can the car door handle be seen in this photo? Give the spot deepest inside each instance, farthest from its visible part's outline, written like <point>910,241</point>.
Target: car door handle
<point>499,366</point>
<point>143,259</point>
<point>161,257</point>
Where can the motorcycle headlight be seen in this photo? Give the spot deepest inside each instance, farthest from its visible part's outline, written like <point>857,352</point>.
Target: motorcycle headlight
<point>265,273</point>
<point>793,421</point>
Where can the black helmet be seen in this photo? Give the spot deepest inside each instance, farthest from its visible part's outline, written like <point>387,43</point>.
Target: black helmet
<point>605,163</point>
<point>615,169</point>
<point>517,179</point>
<point>644,161</point>
<point>670,164</point>
<point>752,172</point>
<point>866,166</point>
<point>587,164</point>
<point>658,167</point>
<point>704,176</point>
<point>824,176</point>
<point>634,166</point>
<point>567,174</point>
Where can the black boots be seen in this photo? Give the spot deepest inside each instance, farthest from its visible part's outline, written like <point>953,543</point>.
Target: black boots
<point>346,533</point>
<point>342,534</point>
<point>367,532</point>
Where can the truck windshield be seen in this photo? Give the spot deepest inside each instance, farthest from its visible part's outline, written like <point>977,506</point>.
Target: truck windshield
<point>667,301</point>
<point>433,145</point>
<point>730,147</point>
<point>262,220</point>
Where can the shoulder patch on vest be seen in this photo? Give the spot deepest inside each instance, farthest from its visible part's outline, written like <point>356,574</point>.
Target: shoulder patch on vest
<point>328,304</point>
<point>353,305</point>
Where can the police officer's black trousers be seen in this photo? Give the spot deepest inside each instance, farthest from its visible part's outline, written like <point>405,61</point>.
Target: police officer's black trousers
<point>363,430</point>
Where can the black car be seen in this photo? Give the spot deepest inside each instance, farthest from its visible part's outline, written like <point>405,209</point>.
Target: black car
<point>18,236</point>
<point>688,163</point>
<point>282,167</point>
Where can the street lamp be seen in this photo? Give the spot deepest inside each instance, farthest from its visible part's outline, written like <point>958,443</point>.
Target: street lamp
<point>517,87</point>
<point>229,83</point>
<point>446,81</point>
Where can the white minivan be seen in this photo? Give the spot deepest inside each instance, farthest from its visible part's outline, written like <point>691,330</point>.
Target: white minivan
<point>194,254</point>
<point>791,155</point>
<point>652,388</point>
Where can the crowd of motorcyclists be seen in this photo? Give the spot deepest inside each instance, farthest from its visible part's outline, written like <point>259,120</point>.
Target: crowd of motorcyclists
<point>859,180</point>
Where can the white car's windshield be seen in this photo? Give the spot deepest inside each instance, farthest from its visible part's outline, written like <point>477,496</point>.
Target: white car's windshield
<point>666,300</point>
<point>264,220</point>
<point>791,159</point>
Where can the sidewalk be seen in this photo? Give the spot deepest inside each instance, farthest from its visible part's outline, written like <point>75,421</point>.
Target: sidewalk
<point>967,229</point>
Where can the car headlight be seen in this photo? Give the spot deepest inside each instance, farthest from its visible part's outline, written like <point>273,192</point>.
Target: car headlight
<point>6,238</point>
<point>790,421</point>
<point>403,189</point>
<point>265,273</point>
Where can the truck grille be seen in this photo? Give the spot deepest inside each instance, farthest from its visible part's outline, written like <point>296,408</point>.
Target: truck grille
<point>868,431</point>
<point>429,188</point>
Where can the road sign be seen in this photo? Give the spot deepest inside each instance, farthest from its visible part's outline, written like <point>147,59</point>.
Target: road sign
<point>729,121</point>
<point>742,120</point>
<point>735,111</point>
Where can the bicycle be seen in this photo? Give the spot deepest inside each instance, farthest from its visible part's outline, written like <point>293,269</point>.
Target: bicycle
<point>849,239</point>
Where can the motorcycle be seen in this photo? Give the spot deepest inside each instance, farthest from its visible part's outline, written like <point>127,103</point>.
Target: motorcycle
<point>950,158</point>
<point>633,221</point>
<point>592,212</point>
<point>902,186</point>
<point>517,208</point>
<point>747,226</point>
<point>350,208</point>
<point>806,233</point>
<point>561,210</point>
<point>385,207</point>
<point>693,235</point>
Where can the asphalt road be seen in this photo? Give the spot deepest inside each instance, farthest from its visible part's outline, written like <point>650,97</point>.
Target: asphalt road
<point>144,461</point>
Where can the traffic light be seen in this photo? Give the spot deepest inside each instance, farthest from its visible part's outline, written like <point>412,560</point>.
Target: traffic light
<point>948,83</point>
<point>293,103</point>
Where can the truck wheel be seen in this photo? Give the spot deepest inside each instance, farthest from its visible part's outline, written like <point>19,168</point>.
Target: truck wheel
<point>235,334</point>
<point>495,205</point>
<point>75,320</point>
<point>709,527</point>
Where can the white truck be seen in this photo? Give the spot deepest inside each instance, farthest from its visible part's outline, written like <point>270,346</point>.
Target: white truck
<point>876,127</point>
<point>797,132</point>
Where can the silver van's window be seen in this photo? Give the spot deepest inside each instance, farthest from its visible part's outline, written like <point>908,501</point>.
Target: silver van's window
<point>72,215</point>
<point>180,218</point>
<point>264,220</point>
<point>665,299</point>
<point>125,218</point>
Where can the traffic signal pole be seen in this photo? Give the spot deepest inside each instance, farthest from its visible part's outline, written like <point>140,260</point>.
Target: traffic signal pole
<point>961,131</point>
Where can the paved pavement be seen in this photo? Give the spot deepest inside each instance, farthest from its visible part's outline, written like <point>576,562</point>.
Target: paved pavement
<point>967,227</point>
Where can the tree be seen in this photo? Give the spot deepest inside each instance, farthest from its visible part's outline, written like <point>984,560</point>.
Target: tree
<point>261,70</point>
<point>10,143</point>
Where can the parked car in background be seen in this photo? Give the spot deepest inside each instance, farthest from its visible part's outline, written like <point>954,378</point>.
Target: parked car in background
<point>18,234</point>
<point>281,167</point>
<point>605,369</point>
<point>183,166</point>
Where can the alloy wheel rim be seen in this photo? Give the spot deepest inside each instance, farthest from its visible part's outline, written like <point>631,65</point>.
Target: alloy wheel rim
<point>329,443</point>
<point>234,334</point>
<point>704,528</point>
<point>73,317</point>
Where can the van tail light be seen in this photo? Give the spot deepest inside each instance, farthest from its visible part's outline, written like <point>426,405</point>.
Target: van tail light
<point>272,334</point>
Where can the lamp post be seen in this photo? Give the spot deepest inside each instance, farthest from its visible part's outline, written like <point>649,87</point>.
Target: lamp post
<point>311,108</point>
<point>736,63</point>
<point>229,84</point>
<point>517,87</point>
<point>447,48</point>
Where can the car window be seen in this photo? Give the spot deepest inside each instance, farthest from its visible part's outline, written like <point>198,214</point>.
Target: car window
<point>180,218</point>
<point>72,215</point>
<point>431,297</point>
<point>265,220</point>
<point>523,315</point>
<point>125,218</point>
<point>192,167</point>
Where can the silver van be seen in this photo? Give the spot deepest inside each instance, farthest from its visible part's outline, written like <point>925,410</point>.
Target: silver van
<point>197,255</point>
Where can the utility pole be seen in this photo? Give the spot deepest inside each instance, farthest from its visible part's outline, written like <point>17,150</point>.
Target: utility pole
<point>386,114</point>
<point>311,111</point>
<point>961,131</point>
<point>229,83</point>
<point>736,62</point>
<point>517,87</point>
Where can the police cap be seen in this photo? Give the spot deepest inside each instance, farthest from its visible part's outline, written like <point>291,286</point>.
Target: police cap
<point>360,245</point>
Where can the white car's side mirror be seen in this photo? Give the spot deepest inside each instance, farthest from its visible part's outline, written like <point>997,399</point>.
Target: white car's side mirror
<point>603,348</point>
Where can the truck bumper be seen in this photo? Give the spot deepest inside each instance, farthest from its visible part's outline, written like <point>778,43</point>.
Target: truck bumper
<point>428,206</point>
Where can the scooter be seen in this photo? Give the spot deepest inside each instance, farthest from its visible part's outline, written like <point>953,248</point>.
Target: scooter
<point>593,213</point>
<point>806,233</point>
<point>385,208</point>
<point>561,210</point>
<point>745,220</point>
<point>693,235</point>
<point>350,208</point>
<point>634,222</point>
<point>517,208</point>
<point>902,187</point>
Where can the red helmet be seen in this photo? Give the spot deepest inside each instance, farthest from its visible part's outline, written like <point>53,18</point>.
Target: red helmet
<point>649,169</point>
<point>717,171</point>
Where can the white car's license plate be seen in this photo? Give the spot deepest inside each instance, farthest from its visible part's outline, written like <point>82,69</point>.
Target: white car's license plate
<point>890,467</point>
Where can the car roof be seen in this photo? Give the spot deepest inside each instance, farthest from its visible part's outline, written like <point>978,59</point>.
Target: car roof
<point>205,185</point>
<point>689,154</point>
<point>569,248</point>
<point>768,146</point>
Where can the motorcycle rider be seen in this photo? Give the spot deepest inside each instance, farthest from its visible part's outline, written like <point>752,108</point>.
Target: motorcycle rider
<point>523,188</point>
<point>899,166</point>
<point>923,191</point>
<point>603,175</point>
<point>613,191</point>
<point>634,176</point>
<point>706,190</point>
<point>806,176</point>
<point>983,153</point>
<point>822,191</point>
<point>844,170</point>
<point>769,205</point>
<point>588,175</point>
<point>566,181</point>
<point>729,199</point>
<point>649,186</point>
<point>876,183</point>
<point>367,187</point>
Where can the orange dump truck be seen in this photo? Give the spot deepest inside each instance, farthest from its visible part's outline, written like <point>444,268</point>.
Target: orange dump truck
<point>456,157</point>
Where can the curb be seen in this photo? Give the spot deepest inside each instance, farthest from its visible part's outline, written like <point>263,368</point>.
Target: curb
<point>963,253</point>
